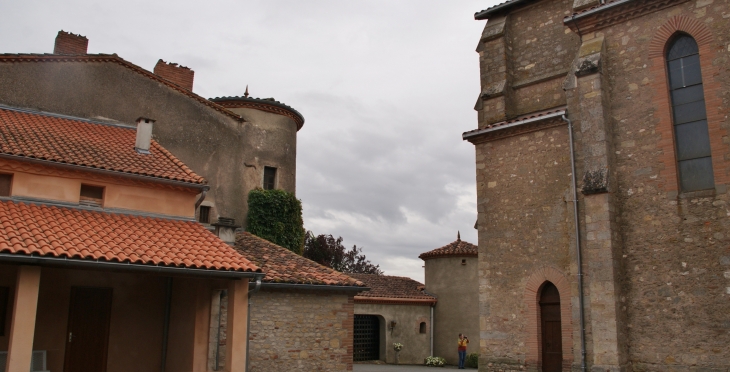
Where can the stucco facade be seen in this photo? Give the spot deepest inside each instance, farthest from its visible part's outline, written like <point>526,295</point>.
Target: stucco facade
<point>654,257</point>
<point>416,345</point>
<point>229,149</point>
<point>454,281</point>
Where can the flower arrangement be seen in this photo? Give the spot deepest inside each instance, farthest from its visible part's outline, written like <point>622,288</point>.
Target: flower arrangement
<point>397,346</point>
<point>433,361</point>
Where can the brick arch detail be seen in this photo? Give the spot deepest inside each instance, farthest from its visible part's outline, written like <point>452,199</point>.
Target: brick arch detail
<point>713,100</point>
<point>693,27</point>
<point>533,336</point>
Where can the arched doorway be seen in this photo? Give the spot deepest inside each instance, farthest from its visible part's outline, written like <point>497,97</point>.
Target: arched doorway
<point>552,343</point>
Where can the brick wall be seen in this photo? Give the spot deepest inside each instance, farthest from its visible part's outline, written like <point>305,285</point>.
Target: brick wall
<point>68,43</point>
<point>301,330</point>
<point>180,75</point>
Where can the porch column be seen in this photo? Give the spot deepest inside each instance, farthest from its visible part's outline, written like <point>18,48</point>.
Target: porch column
<point>236,331</point>
<point>22,327</point>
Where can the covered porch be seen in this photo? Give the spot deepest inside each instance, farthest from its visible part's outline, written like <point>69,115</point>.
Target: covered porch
<point>103,316</point>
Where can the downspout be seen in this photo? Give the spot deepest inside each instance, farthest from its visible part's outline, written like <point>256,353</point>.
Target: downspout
<point>248,319</point>
<point>166,322</point>
<point>577,247</point>
<point>200,199</point>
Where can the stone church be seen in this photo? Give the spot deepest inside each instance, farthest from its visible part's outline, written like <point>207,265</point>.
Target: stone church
<point>603,165</point>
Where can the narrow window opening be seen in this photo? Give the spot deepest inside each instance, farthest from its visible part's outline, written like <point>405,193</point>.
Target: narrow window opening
<point>204,214</point>
<point>691,134</point>
<point>5,181</point>
<point>91,196</point>
<point>269,178</point>
<point>463,261</point>
<point>3,308</point>
<point>422,327</point>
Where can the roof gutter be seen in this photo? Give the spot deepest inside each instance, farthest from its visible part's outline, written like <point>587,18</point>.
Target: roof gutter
<point>484,14</point>
<point>316,287</point>
<point>106,172</point>
<point>412,301</point>
<point>477,133</point>
<point>152,269</point>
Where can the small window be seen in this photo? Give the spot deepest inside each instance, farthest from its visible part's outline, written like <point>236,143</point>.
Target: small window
<point>204,214</point>
<point>5,181</point>
<point>422,327</point>
<point>91,196</point>
<point>269,178</point>
<point>463,261</point>
<point>3,309</point>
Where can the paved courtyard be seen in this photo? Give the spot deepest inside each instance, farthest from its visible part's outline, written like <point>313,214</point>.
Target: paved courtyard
<point>357,367</point>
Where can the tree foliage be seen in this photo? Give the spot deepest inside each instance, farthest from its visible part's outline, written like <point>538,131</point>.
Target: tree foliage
<point>328,251</point>
<point>276,215</point>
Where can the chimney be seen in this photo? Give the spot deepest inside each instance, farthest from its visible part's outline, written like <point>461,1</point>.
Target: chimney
<point>180,75</point>
<point>144,135</point>
<point>68,43</point>
<point>225,228</point>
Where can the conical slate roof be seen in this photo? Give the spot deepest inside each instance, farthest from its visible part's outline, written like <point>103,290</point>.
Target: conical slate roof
<point>458,248</point>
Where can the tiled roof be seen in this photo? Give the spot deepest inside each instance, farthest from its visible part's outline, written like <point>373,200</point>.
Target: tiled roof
<point>535,116</point>
<point>600,5</point>
<point>52,231</point>
<point>265,104</point>
<point>457,248</point>
<point>394,287</point>
<point>113,58</point>
<point>284,266</point>
<point>65,140</point>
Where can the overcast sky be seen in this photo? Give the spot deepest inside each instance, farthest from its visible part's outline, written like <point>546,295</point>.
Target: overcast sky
<point>386,89</point>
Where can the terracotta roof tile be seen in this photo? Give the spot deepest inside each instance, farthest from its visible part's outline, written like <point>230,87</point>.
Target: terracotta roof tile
<point>53,231</point>
<point>457,248</point>
<point>386,286</point>
<point>66,140</point>
<point>284,266</point>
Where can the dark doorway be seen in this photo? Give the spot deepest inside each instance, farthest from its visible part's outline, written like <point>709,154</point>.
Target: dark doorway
<point>552,343</point>
<point>88,329</point>
<point>367,338</point>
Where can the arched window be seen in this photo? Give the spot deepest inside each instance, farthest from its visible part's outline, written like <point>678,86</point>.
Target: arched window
<point>422,327</point>
<point>692,139</point>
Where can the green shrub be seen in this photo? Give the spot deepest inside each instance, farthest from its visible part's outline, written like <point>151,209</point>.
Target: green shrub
<point>276,215</point>
<point>472,360</point>
<point>435,361</point>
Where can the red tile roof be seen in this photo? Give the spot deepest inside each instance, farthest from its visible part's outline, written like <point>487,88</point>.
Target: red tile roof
<point>113,58</point>
<point>393,287</point>
<point>284,266</point>
<point>65,140</point>
<point>51,231</point>
<point>458,248</point>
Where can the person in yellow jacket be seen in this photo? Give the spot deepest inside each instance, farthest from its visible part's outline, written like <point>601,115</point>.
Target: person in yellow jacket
<point>463,341</point>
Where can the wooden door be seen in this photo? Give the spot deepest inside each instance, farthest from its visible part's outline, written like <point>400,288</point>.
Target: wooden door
<point>552,340</point>
<point>88,329</point>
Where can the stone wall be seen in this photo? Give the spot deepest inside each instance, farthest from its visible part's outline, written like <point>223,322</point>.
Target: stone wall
<point>656,262</point>
<point>301,330</point>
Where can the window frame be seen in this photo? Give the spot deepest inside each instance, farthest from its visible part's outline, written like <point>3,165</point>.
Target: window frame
<point>686,117</point>
<point>265,184</point>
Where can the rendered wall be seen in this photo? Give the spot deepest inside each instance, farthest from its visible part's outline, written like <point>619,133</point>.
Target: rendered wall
<point>49,183</point>
<point>137,314</point>
<point>301,330</point>
<point>457,310</point>
<point>416,345</point>
<point>211,143</point>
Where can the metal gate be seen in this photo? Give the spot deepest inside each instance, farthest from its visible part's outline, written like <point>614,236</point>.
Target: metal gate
<point>367,338</point>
